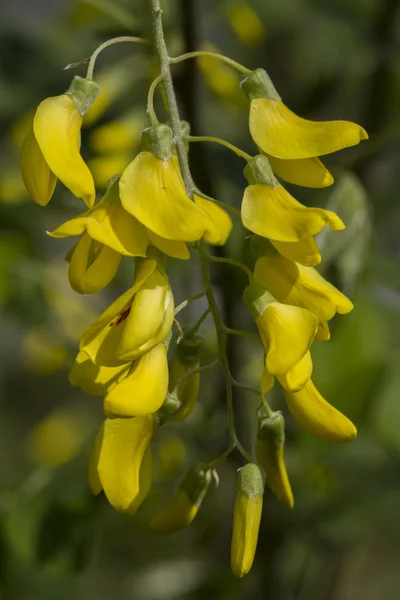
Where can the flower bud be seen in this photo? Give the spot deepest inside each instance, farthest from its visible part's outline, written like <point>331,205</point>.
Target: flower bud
<point>259,85</point>
<point>246,518</point>
<point>184,507</point>
<point>269,452</point>
<point>83,92</point>
<point>158,140</point>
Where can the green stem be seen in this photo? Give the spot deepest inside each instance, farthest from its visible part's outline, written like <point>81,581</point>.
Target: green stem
<point>198,324</point>
<point>117,40</point>
<point>161,49</point>
<point>241,333</point>
<point>222,57</point>
<point>185,303</point>
<point>216,140</point>
<point>193,372</point>
<point>257,392</point>
<point>150,100</point>
<point>233,262</point>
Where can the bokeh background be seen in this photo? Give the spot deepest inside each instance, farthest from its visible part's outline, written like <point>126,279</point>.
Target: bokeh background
<point>341,541</point>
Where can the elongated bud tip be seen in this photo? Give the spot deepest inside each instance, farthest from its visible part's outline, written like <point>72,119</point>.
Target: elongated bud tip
<point>259,85</point>
<point>83,92</point>
<point>158,140</point>
<point>246,518</point>
<point>259,171</point>
<point>257,298</point>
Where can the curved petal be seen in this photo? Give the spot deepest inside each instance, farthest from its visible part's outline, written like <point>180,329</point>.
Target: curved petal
<point>271,459</point>
<point>101,340</point>
<point>120,456</point>
<point>305,252</point>
<point>267,381</point>
<point>94,480</point>
<point>117,229</point>
<point>307,172</point>
<point>317,416</point>
<point>323,332</point>
<point>143,391</point>
<point>95,380</point>
<point>280,132</point>
<point>220,223</point>
<point>92,266</point>
<point>72,227</point>
<point>289,331</point>
<point>152,190</point>
<point>169,247</point>
<point>145,481</point>
<point>273,213</point>
<point>295,379</point>
<point>292,283</point>
<point>38,178</point>
<point>57,128</point>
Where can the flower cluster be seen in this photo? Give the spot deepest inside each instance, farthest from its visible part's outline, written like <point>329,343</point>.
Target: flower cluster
<point>152,212</point>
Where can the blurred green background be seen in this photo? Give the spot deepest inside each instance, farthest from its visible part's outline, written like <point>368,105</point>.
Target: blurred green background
<point>341,541</point>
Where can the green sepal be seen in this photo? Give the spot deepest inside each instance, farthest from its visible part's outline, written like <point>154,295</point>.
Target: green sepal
<point>196,483</point>
<point>259,171</point>
<point>112,192</point>
<point>188,349</point>
<point>83,92</point>
<point>250,481</point>
<point>272,429</point>
<point>158,140</point>
<point>169,407</point>
<point>257,298</point>
<point>259,85</point>
<point>154,253</point>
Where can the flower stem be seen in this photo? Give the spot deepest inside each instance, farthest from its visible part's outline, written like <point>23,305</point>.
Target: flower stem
<point>185,303</point>
<point>116,40</point>
<point>150,100</point>
<point>222,57</point>
<point>233,262</point>
<point>227,207</point>
<point>241,333</point>
<point>197,325</point>
<point>161,49</point>
<point>216,140</point>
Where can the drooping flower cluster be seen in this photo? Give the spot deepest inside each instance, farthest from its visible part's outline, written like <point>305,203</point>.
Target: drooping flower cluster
<point>148,214</point>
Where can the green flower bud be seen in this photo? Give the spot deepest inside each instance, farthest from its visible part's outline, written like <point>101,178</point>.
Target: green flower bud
<point>259,85</point>
<point>259,171</point>
<point>158,140</point>
<point>257,298</point>
<point>83,92</point>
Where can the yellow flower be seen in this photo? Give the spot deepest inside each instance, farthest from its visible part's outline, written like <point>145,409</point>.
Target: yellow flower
<point>143,390</point>
<point>246,23</point>
<point>287,332</point>
<point>171,214</point>
<point>186,359</point>
<point>51,150</point>
<point>184,507</point>
<point>270,211</point>
<point>295,379</point>
<point>246,519</point>
<point>121,462</point>
<point>319,417</point>
<point>307,172</point>
<point>95,380</point>
<point>294,284</point>
<point>270,454</point>
<point>136,322</point>
<point>281,133</point>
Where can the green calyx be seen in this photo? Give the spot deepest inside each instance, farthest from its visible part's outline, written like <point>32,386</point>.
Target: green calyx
<point>158,140</point>
<point>196,483</point>
<point>154,253</point>
<point>188,349</point>
<point>250,481</point>
<point>257,299</point>
<point>169,408</point>
<point>83,92</point>
<point>112,193</point>
<point>259,85</point>
<point>272,429</point>
<point>258,171</point>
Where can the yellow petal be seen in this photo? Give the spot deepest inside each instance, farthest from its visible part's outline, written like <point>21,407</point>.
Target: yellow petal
<point>72,227</point>
<point>305,252</point>
<point>287,333</point>
<point>323,332</point>
<point>280,132</point>
<point>143,391</point>
<point>295,379</point>
<point>57,128</point>
<point>219,226</point>
<point>177,515</point>
<point>150,318</point>
<point>92,379</point>
<point>170,213</point>
<point>92,266</point>
<point>267,381</point>
<point>145,481</point>
<point>273,213</point>
<point>38,178</point>
<point>169,247</point>
<point>307,172</point>
<point>94,480</point>
<point>292,283</point>
<point>101,340</point>
<point>120,456</point>
<point>317,416</point>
